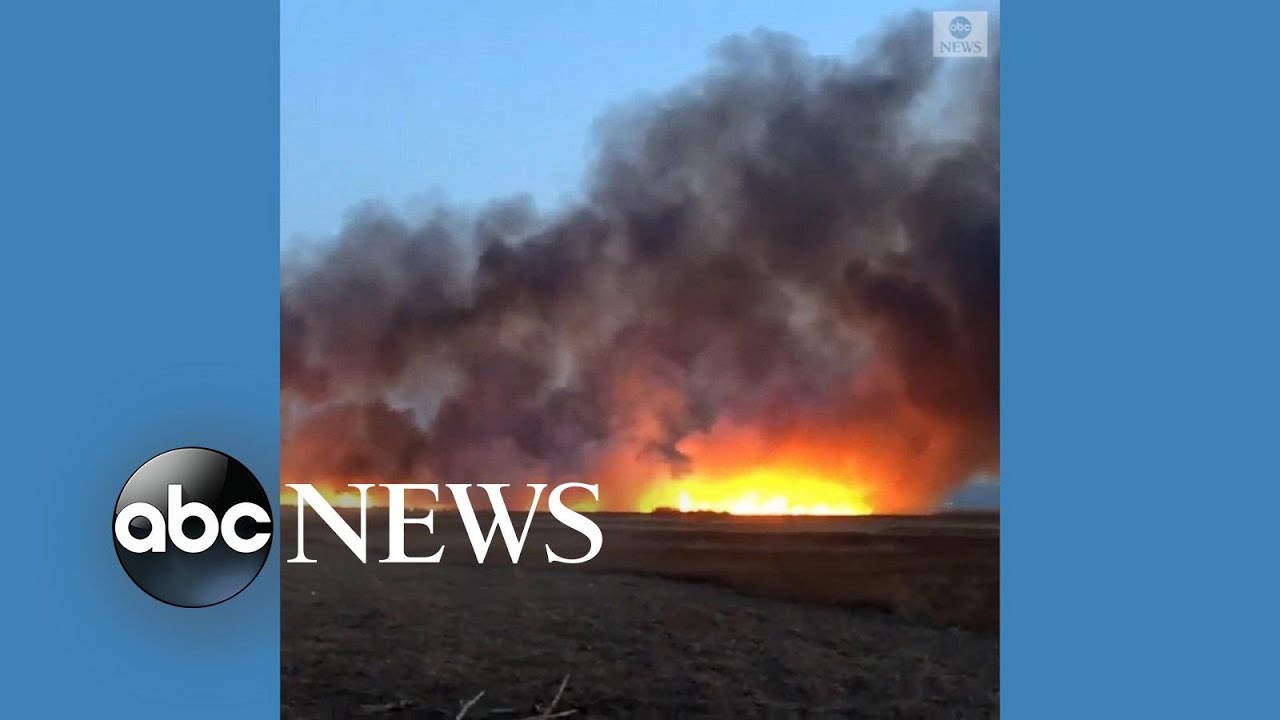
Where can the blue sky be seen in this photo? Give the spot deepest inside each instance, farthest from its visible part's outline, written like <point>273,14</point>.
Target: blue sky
<point>402,100</point>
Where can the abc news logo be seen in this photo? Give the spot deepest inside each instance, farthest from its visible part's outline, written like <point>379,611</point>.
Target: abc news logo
<point>960,34</point>
<point>192,527</point>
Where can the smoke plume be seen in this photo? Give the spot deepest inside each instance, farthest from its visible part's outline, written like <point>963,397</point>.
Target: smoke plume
<point>790,255</point>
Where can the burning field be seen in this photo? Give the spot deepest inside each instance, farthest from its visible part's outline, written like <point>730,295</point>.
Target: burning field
<point>777,299</point>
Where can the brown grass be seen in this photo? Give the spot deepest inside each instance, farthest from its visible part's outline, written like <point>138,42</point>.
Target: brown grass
<point>686,616</point>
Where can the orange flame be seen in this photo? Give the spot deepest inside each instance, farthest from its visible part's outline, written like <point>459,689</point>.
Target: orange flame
<point>744,471</point>
<point>803,466</point>
<point>762,491</point>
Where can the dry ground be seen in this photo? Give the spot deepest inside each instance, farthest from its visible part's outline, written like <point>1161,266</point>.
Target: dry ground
<point>680,616</point>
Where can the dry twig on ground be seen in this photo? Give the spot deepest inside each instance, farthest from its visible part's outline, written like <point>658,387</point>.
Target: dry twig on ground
<point>467,705</point>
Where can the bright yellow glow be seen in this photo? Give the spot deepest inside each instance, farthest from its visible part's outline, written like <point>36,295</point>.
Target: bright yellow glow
<point>588,505</point>
<point>762,491</point>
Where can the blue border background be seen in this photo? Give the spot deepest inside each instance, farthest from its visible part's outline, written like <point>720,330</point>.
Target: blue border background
<point>1140,360</point>
<point>139,287</point>
<point>141,310</point>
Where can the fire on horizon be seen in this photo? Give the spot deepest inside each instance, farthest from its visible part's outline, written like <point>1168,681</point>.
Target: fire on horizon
<point>779,294</point>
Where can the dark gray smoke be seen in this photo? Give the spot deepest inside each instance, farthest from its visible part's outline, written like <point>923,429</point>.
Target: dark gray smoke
<point>805,246</point>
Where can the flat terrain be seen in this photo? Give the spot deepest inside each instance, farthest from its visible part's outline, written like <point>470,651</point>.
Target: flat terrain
<point>680,616</point>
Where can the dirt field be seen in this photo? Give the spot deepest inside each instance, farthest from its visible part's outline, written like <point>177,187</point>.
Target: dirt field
<point>680,616</point>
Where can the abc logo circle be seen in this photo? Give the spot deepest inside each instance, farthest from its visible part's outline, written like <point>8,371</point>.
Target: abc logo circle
<point>192,527</point>
<point>960,27</point>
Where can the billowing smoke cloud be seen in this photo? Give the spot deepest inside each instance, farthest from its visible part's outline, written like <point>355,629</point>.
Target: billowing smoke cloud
<point>790,254</point>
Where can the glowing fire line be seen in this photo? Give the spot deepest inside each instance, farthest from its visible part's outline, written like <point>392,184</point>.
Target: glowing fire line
<point>763,491</point>
<point>766,491</point>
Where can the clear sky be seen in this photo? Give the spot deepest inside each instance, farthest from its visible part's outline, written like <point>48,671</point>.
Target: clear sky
<point>398,100</point>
